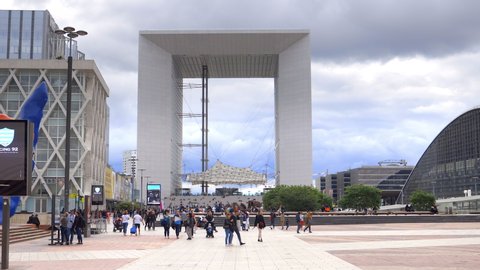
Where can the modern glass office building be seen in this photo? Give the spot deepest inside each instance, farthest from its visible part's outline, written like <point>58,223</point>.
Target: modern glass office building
<point>29,34</point>
<point>30,53</point>
<point>450,167</point>
<point>389,179</point>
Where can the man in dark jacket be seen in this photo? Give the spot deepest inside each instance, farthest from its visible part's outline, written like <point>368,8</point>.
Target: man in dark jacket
<point>78,225</point>
<point>298,219</point>
<point>260,222</point>
<point>190,225</point>
<point>273,215</point>
<point>33,219</point>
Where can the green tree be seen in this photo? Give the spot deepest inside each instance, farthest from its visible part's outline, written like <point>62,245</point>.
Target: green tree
<point>421,200</point>
<point>295,198</point>
<point>360,197</point>
<point>126,205</point>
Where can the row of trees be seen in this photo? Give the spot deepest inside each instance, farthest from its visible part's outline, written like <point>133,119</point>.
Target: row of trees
<point>293,198</point>
<point>358,197</point>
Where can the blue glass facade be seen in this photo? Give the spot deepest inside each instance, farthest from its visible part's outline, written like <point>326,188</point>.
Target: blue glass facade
<point>30,34</point>
<point>22,33</point>
<point>451,164</point>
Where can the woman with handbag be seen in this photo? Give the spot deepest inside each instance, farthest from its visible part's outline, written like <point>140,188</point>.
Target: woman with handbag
<point>260,223</point>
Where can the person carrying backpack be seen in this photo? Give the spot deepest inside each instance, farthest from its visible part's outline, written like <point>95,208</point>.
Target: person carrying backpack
<point>166,224</point>
<point>177,223</point>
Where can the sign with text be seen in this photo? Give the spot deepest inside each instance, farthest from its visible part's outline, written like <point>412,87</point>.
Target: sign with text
<point>153,194</point>
<point>16,139</point>
<point>97,195</point>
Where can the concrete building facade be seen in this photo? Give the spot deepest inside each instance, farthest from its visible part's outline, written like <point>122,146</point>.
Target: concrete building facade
<point>30,52</point>
<point>167,57</point>
<point>129,161</point>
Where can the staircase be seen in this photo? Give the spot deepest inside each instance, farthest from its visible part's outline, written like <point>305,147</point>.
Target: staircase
<point>20,233</point>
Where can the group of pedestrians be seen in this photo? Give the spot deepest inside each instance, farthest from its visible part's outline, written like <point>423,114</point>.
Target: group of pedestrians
<point>233,222</point>
<point>179,218</point>
<point>136,225</point>
<point>231,225</point>
<point>304,221</point>
<point>71,223</point>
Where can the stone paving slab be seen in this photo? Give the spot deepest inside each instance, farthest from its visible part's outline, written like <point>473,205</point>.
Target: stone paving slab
<point>371,247</point>
<point>432,258</point>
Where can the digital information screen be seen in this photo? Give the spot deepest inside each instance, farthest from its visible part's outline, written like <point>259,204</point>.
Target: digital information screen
<point>153,194</point>
<point>97,195</point>
<point>15,157</point>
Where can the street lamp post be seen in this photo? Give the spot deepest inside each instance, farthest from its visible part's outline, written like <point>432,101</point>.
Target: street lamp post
<point>70,33</point>
<point>133,163</point>
<point>476,179</point>
<point>433,187</point>
<point>141,187</point>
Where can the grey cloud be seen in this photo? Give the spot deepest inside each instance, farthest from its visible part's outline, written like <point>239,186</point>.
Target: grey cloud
<point>341,30</point>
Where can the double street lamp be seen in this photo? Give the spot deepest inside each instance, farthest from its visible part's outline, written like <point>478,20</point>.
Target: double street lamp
<point>70,33</point>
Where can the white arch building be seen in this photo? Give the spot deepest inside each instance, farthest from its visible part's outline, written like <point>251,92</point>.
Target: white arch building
<point>167,57</point>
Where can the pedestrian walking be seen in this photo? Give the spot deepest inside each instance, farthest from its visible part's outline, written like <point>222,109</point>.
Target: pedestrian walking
<point>125,219</point>
<point>166,224</point>
<point>282,219</point>
<point>260,224</point>
<point>227,226</point>
<point>190,225</point>
<point>236,220</point>
<point>177,221</point>
<point>299,220</point>
<point>308,221</point>
<point>273,215</point>
<point>137,220</point>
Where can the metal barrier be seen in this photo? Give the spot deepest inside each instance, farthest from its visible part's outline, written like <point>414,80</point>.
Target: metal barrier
<point>98,225</point>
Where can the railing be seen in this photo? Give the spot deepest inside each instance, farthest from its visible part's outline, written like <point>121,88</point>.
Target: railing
<point>98,225</point>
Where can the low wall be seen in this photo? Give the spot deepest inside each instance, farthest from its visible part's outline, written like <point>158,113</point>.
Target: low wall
<point>207,200</point>
<point>22,218</point>
<point>361,219</point>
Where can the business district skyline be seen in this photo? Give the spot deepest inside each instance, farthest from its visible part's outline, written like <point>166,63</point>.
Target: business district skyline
<point>386,77</point>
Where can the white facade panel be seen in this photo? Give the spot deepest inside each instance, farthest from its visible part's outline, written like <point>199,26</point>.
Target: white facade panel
<point>158,121</point>
<point>293,112</point>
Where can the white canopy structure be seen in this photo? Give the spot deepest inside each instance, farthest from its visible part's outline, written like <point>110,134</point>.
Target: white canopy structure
<point>225,174</point>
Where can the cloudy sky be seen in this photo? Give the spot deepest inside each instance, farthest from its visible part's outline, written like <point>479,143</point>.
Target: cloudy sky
<point>387,76</point>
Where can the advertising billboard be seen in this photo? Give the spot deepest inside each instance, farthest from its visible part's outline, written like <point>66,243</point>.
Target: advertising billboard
<point>97,195</point>
<point>154,192</point>
<point>16,139</point>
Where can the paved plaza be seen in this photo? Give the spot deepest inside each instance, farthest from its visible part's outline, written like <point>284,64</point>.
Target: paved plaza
<point>376,246</point>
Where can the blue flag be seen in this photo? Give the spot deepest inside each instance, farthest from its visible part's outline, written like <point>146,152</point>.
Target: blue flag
<point>32,110</point>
